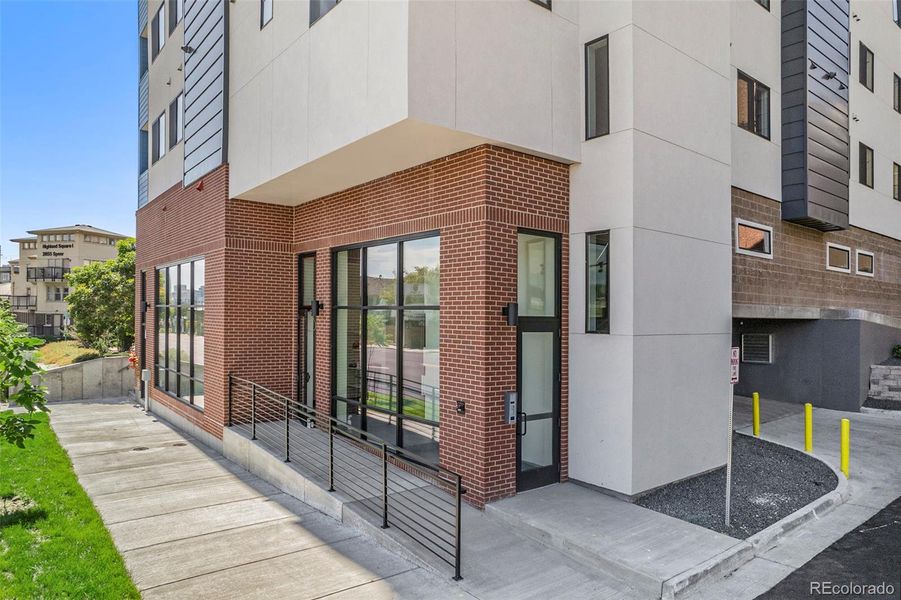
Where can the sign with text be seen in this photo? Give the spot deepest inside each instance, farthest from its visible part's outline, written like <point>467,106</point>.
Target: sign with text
<point>734,366</point>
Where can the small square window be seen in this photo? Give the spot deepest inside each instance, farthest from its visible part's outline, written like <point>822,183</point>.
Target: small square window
<point>753,106</point>
<point>753,239</point>
<point>838,258</point>
<point>866,67</point>
<point>865,160</point>
<point>866,263</point>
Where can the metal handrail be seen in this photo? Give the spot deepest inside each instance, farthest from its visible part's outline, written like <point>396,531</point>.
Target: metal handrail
<point>21,301</point>
<point>46,273</point>
<point>363,466</point>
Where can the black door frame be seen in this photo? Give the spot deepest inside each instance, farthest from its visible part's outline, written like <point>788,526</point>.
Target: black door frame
<point>550,474</point>
<point>303,313</point>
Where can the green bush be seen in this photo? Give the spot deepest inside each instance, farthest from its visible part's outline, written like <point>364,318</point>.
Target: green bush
<point>84,356</point>
<point>896,351</point>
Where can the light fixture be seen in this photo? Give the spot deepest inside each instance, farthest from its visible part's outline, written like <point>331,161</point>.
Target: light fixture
<point>829,75</point>
<point>187,49</point>
<point>813,65</point>
<point>842,86</point>
<point>511,311</point>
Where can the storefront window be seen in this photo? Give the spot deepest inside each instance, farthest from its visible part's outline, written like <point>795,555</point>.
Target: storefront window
<point>390,385</point>
<point>180,331</point>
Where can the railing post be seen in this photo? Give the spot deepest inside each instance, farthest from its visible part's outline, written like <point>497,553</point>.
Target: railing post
<point>331,456</point>
<point>458,493</point>
<point>253,411</point>
<point>287,433</point>
<point>229,399</point>
<point>384,486</point>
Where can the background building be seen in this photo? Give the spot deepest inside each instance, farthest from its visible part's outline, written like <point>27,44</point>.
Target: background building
<point>38,286</point>
<point>350,202</point>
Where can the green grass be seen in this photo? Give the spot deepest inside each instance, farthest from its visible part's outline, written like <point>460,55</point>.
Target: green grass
<point>57,547</point>
<point>61,353</point>
<point>412,406</point>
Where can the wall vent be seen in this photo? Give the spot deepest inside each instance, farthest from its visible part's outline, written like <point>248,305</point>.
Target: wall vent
<point>757,348</point>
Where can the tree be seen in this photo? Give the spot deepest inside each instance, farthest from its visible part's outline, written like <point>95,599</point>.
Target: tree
<point>102,300</point>
<point>19,379</point>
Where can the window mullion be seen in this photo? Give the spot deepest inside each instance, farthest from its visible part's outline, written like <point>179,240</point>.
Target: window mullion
<point>399,341</point>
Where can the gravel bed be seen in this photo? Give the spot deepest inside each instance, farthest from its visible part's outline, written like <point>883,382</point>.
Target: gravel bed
<point>769,482</point>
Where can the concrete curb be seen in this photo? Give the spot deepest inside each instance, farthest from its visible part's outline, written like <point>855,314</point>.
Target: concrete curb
<point>761,541</point>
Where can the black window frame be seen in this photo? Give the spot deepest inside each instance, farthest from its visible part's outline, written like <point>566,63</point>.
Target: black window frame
<point>166,306</point>
<point>866,76</point>
<point>159,149</point>
<point>313,4</point>
<point>263,20</point>
<point>174,122</point>
<point>864,176</point>
<point>605,327</point>
<point>896,181</point>
<point>588,45</point>
<point>754,120</point>
<point>896,91</point>
<point>399,308</point>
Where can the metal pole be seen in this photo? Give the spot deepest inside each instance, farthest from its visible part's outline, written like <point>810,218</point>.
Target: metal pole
<point>253,411</point>
<point>145,380</point>
<point>458,493</point>
<point>384,486</point>
<point>331,456</point>
<point>729,459</point>
<point>229,399</point>
<point>287,434</point>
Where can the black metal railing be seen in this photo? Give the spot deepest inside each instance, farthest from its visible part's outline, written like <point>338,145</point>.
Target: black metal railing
<point>21,302</point>
<point>44,331</point>
<point>46,273</point>
<point>401,489</point>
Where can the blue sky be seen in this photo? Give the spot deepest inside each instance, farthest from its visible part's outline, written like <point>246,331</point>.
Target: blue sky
<point>68,115</point>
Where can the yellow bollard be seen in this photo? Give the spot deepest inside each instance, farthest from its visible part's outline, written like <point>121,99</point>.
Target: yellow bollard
<point>808,427</point>
<point>755,397</point>
<point>846,445</point>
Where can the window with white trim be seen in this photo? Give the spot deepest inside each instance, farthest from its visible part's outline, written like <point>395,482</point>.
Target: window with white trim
<point>866,263</point>
<point>753,239</point>
<point>160,132</point>
<point>838,257</point>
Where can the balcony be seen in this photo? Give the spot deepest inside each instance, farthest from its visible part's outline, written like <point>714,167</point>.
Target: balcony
<point>21,302</point>
<point>44,331</point>
<point>46,273</point>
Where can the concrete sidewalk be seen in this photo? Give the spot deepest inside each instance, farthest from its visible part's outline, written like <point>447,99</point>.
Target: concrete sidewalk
<point>875,481</point>
<point>191,524</point>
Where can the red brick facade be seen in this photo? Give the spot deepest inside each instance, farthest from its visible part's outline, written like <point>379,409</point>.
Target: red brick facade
<point>477,200</point>
<point>797,274</point>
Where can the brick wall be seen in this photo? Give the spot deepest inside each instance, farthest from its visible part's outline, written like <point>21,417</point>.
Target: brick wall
<point>476,200</point>
<point>797,275</point>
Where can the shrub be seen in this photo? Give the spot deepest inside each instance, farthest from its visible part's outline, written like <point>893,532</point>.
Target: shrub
<point>85,356</point>
<point>896,351</point>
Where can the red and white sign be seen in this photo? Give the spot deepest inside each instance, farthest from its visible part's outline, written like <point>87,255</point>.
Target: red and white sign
<point>734,366</point>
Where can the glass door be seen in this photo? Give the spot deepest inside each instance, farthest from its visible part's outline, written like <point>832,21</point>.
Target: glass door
<point>538,360</point>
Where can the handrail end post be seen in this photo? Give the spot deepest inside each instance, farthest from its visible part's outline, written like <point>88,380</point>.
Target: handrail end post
<point>384,486</point>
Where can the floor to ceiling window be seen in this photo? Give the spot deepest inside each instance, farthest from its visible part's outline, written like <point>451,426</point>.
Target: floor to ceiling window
<point>180,330</point>
<point>386,367</point>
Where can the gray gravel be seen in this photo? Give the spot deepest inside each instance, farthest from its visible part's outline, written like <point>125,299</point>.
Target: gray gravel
<point>769,482</point>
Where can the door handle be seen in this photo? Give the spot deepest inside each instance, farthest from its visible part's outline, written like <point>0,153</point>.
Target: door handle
<point>525,423</point>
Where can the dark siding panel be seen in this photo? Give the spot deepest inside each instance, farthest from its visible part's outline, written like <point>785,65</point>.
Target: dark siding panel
<point>815,141</point>
<point>205,87</point>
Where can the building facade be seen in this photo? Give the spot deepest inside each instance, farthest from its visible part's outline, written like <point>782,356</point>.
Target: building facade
<point>37,279</point>
<point>516,238</point>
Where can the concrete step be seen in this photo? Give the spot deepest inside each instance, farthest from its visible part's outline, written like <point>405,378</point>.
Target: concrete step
<point>655,554</point>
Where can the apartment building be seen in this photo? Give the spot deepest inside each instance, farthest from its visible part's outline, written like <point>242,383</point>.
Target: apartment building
<point>518,238</point>
<point>37,288</point>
